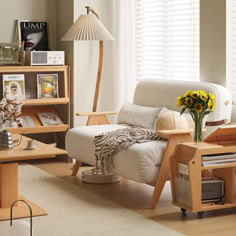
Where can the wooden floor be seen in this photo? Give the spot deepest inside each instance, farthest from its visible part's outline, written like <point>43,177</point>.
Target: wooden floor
<point>137,197</point>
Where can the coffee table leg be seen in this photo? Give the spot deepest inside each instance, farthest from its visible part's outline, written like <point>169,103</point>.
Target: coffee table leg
<point>8,184</point>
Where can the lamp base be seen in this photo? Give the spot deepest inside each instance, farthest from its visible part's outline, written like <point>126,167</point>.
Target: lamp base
<point>90,176</point>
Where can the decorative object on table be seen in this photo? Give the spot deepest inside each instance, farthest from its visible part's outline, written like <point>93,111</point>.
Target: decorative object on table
<point>89,28</point>
<point>6,140</point>
<point>14,86</point>
<point>49,118</point>
<point>20,227</point>
<point>47,86</point>
<point>199,104</point>
<point>44,58</point>
<point>34,34</point>
<point>10,111</point>
<point>31,144</point>
<point>12,54</point>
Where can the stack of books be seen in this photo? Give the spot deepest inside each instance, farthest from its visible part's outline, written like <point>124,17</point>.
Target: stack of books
<point>211,160</point>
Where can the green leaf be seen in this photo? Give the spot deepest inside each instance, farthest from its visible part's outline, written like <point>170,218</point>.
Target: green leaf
<point>207,112</point>
<point>183,110</point>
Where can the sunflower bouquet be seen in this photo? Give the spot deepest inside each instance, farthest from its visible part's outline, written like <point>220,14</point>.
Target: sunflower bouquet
<point>199,104</point>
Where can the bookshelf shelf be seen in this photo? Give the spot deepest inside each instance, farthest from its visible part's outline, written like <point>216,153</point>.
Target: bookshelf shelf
<point>52,101</point>
<point>33,105</point>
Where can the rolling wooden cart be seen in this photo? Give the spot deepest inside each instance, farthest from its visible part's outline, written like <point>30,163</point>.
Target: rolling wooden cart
<point>188,168</point>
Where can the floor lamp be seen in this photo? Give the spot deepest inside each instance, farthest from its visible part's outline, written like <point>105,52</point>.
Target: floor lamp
<point>89,28</point>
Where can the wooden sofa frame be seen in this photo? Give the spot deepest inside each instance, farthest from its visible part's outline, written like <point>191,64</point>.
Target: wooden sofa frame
<point>174,137</point>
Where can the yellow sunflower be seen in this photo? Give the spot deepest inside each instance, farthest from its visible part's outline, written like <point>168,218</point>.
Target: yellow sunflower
<point>203,95</point>
<point>211,96</point>
<point>198,108</point>
<point>189,102</point>
<point>188,93</point>
<point>194,94</point>
<point>179,101</point>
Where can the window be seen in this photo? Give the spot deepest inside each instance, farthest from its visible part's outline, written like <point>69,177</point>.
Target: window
<point>167,39</point>
<point>231,48</point>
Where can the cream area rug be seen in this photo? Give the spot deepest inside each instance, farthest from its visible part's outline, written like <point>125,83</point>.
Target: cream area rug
<point>75,212</point>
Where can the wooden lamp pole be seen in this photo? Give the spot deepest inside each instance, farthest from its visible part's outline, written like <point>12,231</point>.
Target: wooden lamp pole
<point>100,63</point>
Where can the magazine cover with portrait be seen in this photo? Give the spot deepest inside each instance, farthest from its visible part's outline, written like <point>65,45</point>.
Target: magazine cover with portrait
<point>34,34</point>
<point>14,86</point>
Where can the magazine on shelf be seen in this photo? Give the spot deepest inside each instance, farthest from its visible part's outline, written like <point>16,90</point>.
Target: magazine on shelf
<point>27,121</point>
<point>14,86</point>
<point>47,86</point>
<point>34,34</point>
<point>49,118</point>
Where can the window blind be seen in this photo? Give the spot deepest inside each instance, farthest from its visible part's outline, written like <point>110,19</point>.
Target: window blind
<point>167,39</point>
<point>231,48</point>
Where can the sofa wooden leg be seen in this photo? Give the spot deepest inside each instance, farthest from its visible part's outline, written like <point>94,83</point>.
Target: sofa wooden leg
<point>159,187</point>
<point>164,170</point>
<point>76,168</point>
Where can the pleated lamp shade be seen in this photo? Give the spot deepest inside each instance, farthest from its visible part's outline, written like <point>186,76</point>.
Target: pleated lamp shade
<point>87,27</point>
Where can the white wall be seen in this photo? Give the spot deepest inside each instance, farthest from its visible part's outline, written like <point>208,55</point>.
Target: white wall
<point>65,19</point>
<point>13,10</point>
<point>213,41</point>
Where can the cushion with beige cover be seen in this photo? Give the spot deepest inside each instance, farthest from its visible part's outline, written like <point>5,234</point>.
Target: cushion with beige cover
<point>171,120</point>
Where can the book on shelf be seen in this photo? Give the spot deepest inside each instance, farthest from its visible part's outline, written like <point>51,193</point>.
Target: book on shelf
<point>49,118</point>
<point>218,157</point>
<point>219,162</point>
<point>27,121</point>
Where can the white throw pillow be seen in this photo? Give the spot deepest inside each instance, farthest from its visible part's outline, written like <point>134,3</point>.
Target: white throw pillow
<point>141,116</point>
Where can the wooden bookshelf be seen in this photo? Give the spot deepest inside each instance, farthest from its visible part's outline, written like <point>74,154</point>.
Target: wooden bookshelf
<point>188,196</point>
<point>33,105</point>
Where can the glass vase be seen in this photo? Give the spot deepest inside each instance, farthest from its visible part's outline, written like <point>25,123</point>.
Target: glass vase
<point>197,138</point>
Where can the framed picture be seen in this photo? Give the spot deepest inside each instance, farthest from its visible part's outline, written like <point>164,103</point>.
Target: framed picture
<point>14,86</point>
<point>49,118</point>
<point>47,86</point>
<point>34,34</point>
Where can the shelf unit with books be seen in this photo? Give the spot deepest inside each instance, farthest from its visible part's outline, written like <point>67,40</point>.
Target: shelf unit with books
<point>57,104</point>
<point>188,171</point>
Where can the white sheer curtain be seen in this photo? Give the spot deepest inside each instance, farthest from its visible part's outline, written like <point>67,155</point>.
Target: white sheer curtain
<point>124,50</point>
<point>167,39</point>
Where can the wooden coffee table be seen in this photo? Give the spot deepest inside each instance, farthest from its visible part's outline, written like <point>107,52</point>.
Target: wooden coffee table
<point>9,177</point>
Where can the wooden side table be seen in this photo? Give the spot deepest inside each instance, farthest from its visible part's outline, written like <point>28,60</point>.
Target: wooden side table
<point>187,171</point>
<point>9,177</point>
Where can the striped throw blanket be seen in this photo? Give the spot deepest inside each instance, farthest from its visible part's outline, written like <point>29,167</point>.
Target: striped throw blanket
<point>109,143</point>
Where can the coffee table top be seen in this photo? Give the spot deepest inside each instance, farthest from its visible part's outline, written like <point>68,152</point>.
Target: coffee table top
<point>19,153</point>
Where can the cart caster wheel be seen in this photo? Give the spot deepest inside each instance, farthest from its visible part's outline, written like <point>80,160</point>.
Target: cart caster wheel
<point>200,214</point>
<point>183,210</point>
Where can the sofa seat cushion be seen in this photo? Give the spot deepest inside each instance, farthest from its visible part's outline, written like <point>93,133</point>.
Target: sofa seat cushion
<point>140,162</point>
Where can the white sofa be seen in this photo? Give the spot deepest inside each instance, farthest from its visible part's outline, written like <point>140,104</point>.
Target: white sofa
<point>142,162</point>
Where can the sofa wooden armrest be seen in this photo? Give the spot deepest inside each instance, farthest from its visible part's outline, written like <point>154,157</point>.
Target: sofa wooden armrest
<point>97,118</point>
<point>168,133</point>
<point>96,113</point>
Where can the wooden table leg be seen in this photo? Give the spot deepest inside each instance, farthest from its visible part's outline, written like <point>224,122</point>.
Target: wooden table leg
<point>8,184</point>
<point>9,194</point>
